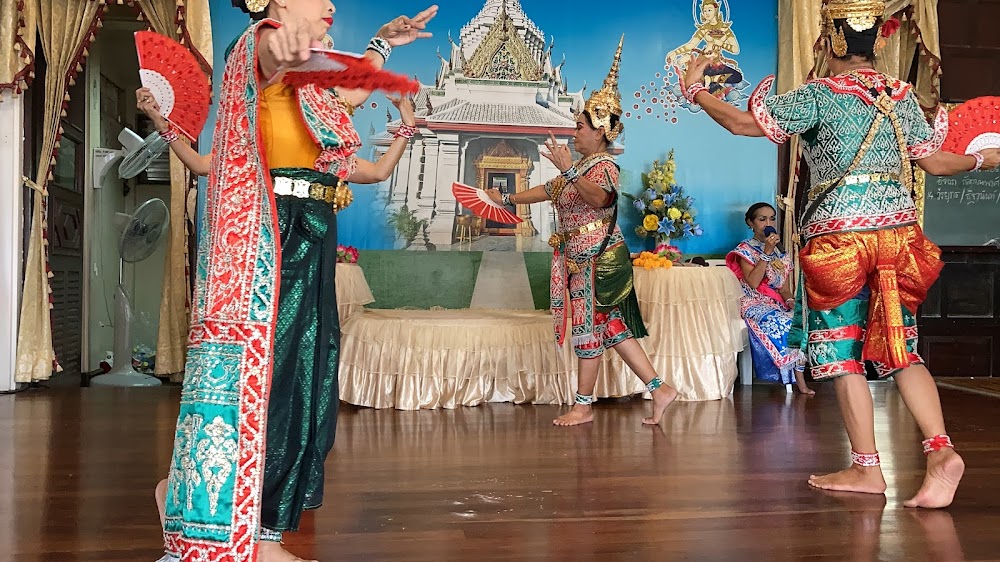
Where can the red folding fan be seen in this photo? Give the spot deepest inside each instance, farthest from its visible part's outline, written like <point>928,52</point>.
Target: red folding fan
<point>478,202</point>
<point>172,73</point>
<point>973,126</point>
<point>337,69</point>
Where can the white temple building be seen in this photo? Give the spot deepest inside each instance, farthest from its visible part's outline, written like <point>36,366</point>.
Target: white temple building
<point>483,122</point>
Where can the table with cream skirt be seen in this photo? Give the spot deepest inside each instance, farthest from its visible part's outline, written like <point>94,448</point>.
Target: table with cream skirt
<point>419,359</point>
<point>353,292</point>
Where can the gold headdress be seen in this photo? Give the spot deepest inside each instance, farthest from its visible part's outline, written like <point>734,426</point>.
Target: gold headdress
<point>861,15</point>
<point>607,101</point>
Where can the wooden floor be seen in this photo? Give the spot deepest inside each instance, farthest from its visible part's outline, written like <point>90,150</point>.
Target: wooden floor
<point>986,386</point>
<point>720,481</point>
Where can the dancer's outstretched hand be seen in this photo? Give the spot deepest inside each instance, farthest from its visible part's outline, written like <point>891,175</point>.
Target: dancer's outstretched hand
<point>404,30</point>
<point>558,154</point>
<point>406,109</point>
<point>696,71</point>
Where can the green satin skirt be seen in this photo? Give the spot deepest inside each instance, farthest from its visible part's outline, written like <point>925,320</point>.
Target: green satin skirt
<point>613,288</point>
<point>304,398</point>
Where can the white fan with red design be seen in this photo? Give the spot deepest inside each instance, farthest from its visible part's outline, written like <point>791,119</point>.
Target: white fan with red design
<point>175,78</point>
<point>477,201</point>
<point>974,126</point>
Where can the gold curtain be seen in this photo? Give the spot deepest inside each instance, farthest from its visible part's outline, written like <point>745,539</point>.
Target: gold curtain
<point>17,46</point>
<point>171,338</point>
<point>66,28</point>
<point>189,23</point>
<point>195,22</point>
<point>798,29</point>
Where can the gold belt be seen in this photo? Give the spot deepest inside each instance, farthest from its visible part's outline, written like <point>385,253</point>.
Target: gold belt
<point>816,191</point>
<point>559,238</point>
<point>339,196</point>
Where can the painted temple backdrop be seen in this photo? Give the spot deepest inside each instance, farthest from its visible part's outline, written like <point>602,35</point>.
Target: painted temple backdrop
<point>499,75</point>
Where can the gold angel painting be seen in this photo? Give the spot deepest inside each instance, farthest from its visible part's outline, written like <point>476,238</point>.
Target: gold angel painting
<point>713,37</point>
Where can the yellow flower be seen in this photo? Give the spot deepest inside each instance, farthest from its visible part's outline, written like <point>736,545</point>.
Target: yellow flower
<point>650,223</point>
<point>687,216</point>
<point>673,213</point>
<point>656,204</point>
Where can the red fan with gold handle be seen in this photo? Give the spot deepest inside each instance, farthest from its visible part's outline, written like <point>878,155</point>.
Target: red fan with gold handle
<point>176,80</point>
<point>974,126</point>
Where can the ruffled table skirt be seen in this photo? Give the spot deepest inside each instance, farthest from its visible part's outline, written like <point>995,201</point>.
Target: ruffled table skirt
<point>695,332</point>
<point>414,359</point>
<point>353,292</point>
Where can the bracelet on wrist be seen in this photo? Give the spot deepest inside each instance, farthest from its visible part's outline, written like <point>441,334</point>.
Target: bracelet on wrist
<point>505,199</point>
<point>693,90</point>
<point>979,162</point>
<point>380,46</point>
<point>171,135</point>
<point>406,131</point>
<point>571,174</point>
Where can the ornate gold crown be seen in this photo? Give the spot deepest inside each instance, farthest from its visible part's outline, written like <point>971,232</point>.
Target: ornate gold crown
<point>607,101</point>
<point>861,15</point>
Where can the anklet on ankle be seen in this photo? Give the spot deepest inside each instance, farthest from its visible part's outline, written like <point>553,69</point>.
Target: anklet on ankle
<point>652,385</point>
<point>865,459</point>
<point>937,443</point>
<point>267,535</point>
<point>584,400</point>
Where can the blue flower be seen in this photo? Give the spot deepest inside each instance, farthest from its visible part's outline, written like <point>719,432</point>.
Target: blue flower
<point>666,226</point>
<point>687,230</point>
<point>639,205</point>
<point>698,231</point>
<point>650,194</point>
<point>668,199</point>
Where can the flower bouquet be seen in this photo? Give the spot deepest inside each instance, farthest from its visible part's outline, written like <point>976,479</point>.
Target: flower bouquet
<point>347,254</point>
<point>666,213</point>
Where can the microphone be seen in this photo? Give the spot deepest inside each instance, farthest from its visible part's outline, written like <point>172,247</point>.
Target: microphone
<point>769,230</point>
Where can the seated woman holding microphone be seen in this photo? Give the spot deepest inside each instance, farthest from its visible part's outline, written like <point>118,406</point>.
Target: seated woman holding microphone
<point>766,306</point>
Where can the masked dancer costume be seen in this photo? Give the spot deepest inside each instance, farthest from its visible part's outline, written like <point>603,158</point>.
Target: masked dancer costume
<point>866,264</point>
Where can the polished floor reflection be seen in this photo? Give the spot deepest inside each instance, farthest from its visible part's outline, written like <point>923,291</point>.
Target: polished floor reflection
<point>719,481</point>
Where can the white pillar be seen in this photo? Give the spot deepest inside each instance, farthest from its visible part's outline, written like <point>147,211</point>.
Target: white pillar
<point>11,160</point>
<point>445,174</point>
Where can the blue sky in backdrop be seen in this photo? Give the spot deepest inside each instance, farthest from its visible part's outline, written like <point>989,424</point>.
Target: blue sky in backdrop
<point>723,173</point>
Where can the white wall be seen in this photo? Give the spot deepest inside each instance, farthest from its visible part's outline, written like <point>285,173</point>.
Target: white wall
<point>11,160</point>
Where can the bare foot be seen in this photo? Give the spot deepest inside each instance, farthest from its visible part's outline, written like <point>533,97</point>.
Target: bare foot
<point>662,397</point>
<point>865,480</point>
<point>800,383</point>
<point>944,471</point>
<point>274,552</point>
<point>160,493</point>
<point>579,415</point>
